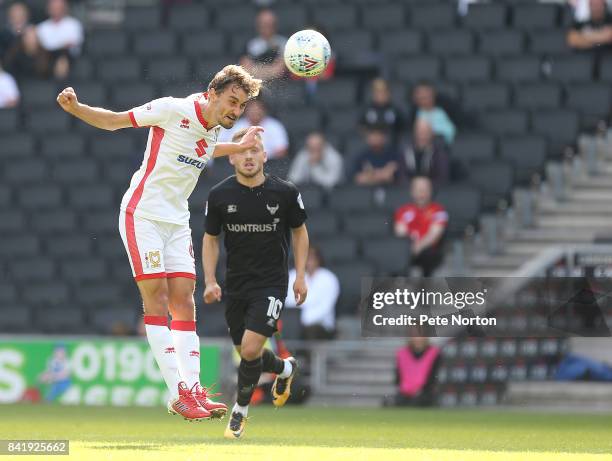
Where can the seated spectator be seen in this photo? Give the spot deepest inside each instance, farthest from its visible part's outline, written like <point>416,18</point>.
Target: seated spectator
<point>55,41</point>
<point>318,314</point>
<point>424,99</point>
<point>378,164</point>
<point>424,223</point>
<point>13,53</point>
<point>381,110</point>
<point>416,366</point>
<point>427,155</point>
<point>9,93</point>
<point>264,53</point>
<point>275,138</point>
<point>592,25</point>
<point>317,163</point>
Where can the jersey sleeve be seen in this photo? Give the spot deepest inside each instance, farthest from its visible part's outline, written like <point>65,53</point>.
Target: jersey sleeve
<point>154,113</point>
<point>297,213</point>
<point>214,218</point>
<point>439,215</point>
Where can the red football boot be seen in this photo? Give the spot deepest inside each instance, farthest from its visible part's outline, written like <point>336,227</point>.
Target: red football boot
<point>203,395</point>
<point>187,405</point>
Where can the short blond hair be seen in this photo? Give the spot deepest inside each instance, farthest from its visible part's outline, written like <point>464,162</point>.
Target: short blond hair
<point>236,75</point>
<point>241,132</point>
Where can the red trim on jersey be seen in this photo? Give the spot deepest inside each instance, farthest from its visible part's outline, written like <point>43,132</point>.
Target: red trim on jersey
<point>198,111</point>
<point>187,275</point>
<point>158,275</point>
<point>159,320</point>
<point>183,325</point>
<point>133,119</point>
<point>130,234</point>
<point>156,140</point>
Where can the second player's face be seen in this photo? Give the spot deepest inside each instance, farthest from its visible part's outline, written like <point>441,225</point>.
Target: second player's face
<point>249,163</point>
<point>230,105</point>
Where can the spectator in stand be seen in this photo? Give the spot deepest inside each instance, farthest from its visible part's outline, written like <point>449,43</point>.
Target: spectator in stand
<point>13,53</point>
<point>416,366</point>
<point>318,314</point>
<point>275,137</point>
<point>424,99</point>
<point>381,110</point>
<point>264,53</point>
<point>317,163</point>
<point>592,25</point>
<point>378,164</point>
<point>427,155</point>
<point>424,223</point>
<point>9,93</point>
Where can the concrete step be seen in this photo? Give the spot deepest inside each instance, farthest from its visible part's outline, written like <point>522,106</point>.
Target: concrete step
<point>590,195</point>
<point>600,181</point>
<point>364,366</point>
<point>526,249</point>
<point>587,222</point>
<point>490,272</point>
<point>501,261</point>
<point>575,207</point>
<point>344,377</point>
<point>552,236</point>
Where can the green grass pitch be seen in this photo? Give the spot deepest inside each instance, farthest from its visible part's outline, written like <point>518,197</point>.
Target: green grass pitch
<point>315,433</point>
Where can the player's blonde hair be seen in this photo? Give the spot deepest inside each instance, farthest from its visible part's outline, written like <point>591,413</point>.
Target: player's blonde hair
<point>241,132</point>
<point>236,75</point>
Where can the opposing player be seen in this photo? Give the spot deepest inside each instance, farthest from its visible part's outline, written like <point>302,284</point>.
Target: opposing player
<point>258,214</point>
<point>154,217</point>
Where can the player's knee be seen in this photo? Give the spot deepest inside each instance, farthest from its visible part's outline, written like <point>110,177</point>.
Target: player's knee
<point>155,299</point>
<point>183,308</point>
<point>250,352</point>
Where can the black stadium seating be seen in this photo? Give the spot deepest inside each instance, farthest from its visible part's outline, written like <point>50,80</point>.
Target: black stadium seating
<point>522,95</point>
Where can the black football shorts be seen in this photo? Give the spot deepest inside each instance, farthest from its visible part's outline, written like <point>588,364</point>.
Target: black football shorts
<point>257,311</point>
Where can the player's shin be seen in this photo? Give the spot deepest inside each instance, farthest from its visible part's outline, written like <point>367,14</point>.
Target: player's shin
<point>249,372</point>
<point>187,344</point>
<point>271,363</point>
<point>160,341</point>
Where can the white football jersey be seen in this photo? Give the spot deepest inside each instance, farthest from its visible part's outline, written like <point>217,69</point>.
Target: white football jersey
<point>178,149</point>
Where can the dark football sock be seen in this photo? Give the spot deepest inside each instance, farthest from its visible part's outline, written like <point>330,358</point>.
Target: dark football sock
<point>271,363</point>
<point>249,372</point>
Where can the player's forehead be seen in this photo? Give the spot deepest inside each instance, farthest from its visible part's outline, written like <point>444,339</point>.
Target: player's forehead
<point>236,92</point>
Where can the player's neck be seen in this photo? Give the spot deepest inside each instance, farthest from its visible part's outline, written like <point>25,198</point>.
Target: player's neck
<point>207,113</point>
<point>253,181</point>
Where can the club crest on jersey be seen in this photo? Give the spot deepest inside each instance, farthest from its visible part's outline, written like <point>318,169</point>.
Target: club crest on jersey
<point>232,208</point>
<point>272,209</point>
<point>185,123</point>
<point>153,259</point>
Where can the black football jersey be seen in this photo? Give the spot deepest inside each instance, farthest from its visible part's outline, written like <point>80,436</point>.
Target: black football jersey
<point>257,223</point>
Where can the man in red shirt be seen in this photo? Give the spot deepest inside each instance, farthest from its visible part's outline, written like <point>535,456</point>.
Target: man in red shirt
<point>424,223</point>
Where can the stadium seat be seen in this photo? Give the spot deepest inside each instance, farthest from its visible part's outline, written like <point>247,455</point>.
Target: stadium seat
<point>39,269</point>
<point>337,93</point>
<point>6,195</point>
<point>88,197</point>
<point>114,145</point>
<point>36,94</point>
<point>605,69</point>
<point>47,294</point>
<point>338,249</point>
<point>400,42</point>
<point>501,122</point>
<point>8,294</point>
<point>291,323</point>
<point>390,255</point>
<point>82,70</point>
<point>16,144</point>
<point>100,295</point>
<point>9,121</point>
<point>350,198</point>
<point>155,44</point>
<point>242,18</point>
<point>477,147</point>
<point>548,42</point>
<point>559,126</point>
<point>25,172</point>
<point>494,180</point>
<point>416,68</point>
<point>312,196</point>
<point>119,69</point>
<point>12,221</point>
<point>342,122</point>
<point>485,96</point>
<point>468,69</point>
<point>350,276</point>
<point>383,17</point>
<point>68,245</point>
<point>501,42</point>
<point>75,171</point>
<point>463,204</point>
<point>45,121</point>
<point>527,154</point>
<point>15,318</point>
<point>368,224</point>
<point>92,93</point>
<point>106,320</point>
<point>206,69</point>
<point>167,69</point>
<point>323,223</point>
<point>127,96</point>
<point>432,15</point>
<point>104,43</point>
<point>592,99</point>
<point>60,320</point>
<point>184,17</point>
<point>101,222</point>
<point>453,42</point>
<point>200,44</point>
<point>535,16</point>
<point>537,96</point>
<point>111,247</point>
<point>486,16</point>
<point>38,197</point>
<point>139,18</point>
<point>353,44</point>
<point>83,269</point>
<point>393,198</point>
<point>62,145</point>
<point>571,69</point>
<point>291,17</point>
<point>212,322</point>
<point>518,69</point>
<point>48,222</point>
<point>335,17</point>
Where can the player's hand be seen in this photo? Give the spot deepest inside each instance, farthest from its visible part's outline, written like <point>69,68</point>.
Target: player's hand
<point>212,293</point>
<point>67,99</point>
<point>300,291</point>
<point>249,140</point>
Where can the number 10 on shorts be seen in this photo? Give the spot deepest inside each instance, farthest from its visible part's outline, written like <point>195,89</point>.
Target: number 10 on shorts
<point>274,308</point>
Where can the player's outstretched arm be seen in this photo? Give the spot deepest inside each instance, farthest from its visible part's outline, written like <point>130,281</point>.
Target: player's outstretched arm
<point>299,236</point>
<point>95,116</point>
<point>247,142</point>
<point>210,257</point>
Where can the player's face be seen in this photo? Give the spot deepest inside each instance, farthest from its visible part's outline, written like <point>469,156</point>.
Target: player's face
<point>230,105</point>
<point>250,163</point>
